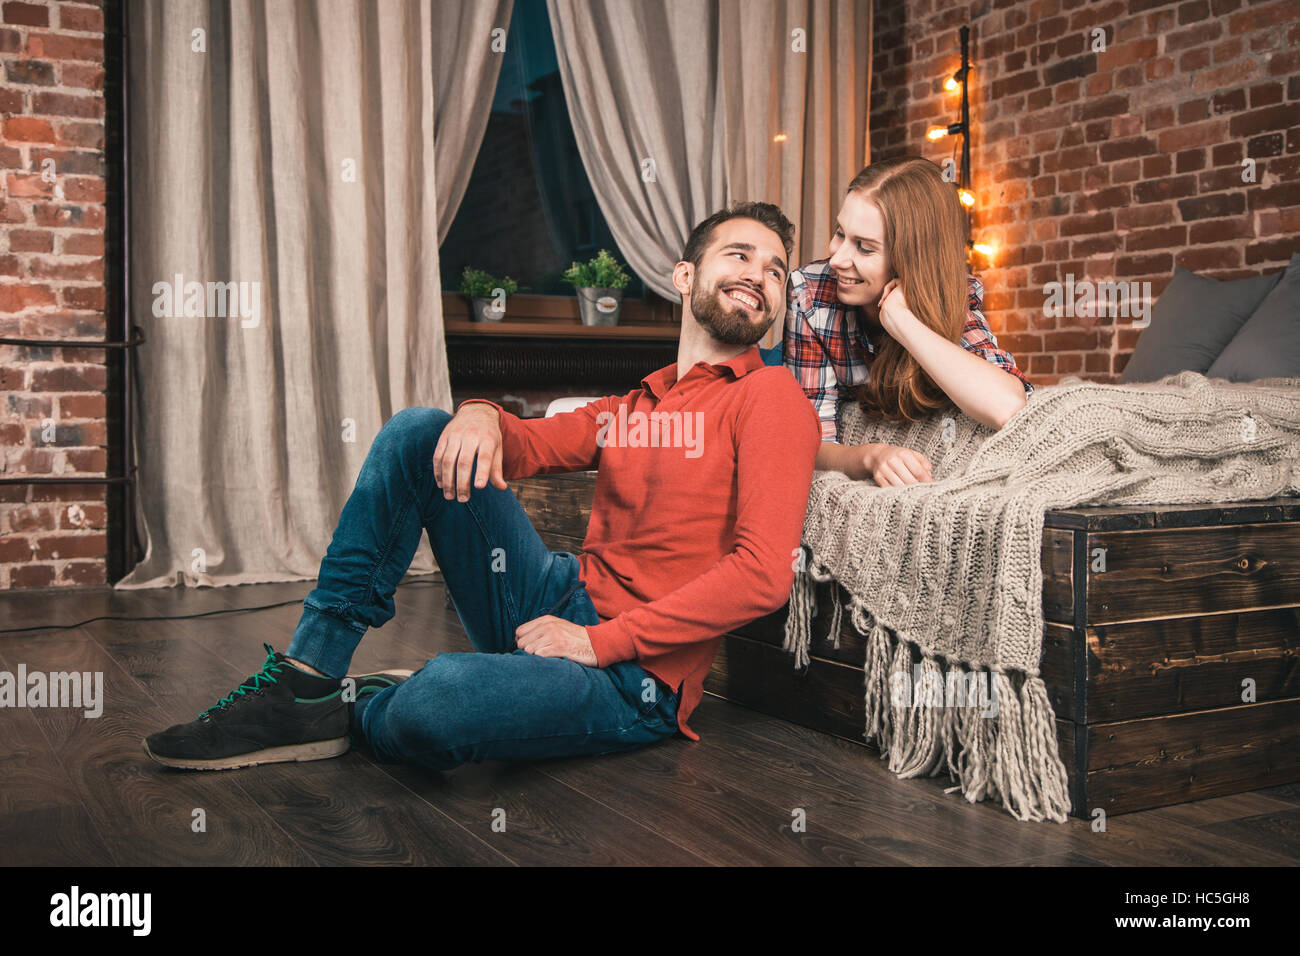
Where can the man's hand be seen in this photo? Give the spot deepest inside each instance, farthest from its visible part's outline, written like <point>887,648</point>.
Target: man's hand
<point>473,435</point>
<point>550,636</point>
<point>888,465</point>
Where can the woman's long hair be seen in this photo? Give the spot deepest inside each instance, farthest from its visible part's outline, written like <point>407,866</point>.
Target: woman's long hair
<point>925,238</point>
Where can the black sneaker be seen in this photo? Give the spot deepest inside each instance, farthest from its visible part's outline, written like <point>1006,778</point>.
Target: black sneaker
<point>280,714</point>
<point>357,686</point>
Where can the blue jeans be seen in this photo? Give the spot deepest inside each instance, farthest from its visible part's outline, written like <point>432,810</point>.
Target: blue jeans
<point>500,703</point>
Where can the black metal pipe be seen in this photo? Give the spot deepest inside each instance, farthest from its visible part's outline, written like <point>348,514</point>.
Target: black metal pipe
<point>120,329</point>
<point>965,107</point>
<point>136,339</point>
<point>86,480</point>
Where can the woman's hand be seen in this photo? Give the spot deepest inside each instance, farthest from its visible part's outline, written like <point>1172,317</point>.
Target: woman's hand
<point>884,464</point>
<point>893,306</point>
<point>979,388</point>
<point>892,465</point>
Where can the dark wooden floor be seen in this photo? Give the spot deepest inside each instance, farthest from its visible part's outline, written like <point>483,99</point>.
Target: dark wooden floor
<point>80,791</point>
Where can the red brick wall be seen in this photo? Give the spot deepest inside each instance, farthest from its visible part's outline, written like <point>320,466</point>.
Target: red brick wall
<point>52,400</point>
<point>1114,165</point>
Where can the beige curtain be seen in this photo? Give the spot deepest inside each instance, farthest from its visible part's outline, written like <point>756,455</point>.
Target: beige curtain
<point>727,100</point>
<point>286,149</point>
<point>797,129</point>
<point>466,69</point>
<point>641,81</point>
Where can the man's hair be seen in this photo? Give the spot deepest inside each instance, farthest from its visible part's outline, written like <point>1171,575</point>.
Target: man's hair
<point>762,212</point>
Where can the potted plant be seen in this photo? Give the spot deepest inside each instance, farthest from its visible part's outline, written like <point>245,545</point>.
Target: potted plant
<point>599,284</point>
<point>487,294</point>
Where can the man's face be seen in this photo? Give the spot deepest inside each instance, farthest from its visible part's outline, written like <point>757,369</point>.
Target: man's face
<point>739,287</point>
<point>858,256</point>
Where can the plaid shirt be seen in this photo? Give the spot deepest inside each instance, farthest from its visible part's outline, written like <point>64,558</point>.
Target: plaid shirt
<point>826,347</point>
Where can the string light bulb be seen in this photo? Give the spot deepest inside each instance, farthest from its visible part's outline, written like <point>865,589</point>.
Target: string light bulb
<point>936,132</point>
<point>967,197</point>
<point>951,83</point>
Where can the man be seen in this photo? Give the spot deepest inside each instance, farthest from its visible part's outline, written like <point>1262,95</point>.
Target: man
<point>699,506</point>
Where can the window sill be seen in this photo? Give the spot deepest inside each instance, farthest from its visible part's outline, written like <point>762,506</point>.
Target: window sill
<point>525,328</point>
<point>551,316</point>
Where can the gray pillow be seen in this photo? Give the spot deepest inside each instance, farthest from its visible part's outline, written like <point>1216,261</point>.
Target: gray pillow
<point>1192,323</point>
<point>1268,345</point>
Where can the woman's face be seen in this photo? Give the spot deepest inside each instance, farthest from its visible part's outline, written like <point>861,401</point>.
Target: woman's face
<point>858,257</point>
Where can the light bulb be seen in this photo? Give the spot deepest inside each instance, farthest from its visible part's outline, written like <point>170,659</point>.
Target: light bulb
<point>966,196</point>
<point>936,132</point>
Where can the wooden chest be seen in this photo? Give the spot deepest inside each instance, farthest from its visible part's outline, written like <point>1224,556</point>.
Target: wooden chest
<point>1170,648</point>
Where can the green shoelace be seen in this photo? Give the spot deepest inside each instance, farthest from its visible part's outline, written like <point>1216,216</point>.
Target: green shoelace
<point>267,674</point>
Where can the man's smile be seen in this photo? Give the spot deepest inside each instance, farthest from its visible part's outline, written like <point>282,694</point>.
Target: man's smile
<point>753,301</point>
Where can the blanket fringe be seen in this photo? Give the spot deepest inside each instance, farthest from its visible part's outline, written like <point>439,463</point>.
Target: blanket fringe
<point>877,684</point>
<point>802,610</point>
<point>798,621</point>
<point>999,744</point>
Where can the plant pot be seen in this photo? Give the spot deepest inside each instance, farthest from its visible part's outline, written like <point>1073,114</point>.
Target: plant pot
<point>599,306</point>
<point>483,310</point>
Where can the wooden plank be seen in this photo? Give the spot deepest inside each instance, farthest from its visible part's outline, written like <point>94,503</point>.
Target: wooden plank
<point>42,820</point>
<point>559,328</point>
<point>1157,761</point>
<point>557,503</point>
<point>143,812</point>
<point>1134,517</point>
<point>1236,806</point>
<point>561,542</point>
<point>1057,668</point>
<point>1183,664</point>
<point>1278,831</point>
<point>653,310</point>
<point>1073,749</point>
<point>1181,572</point>
<point>699,796</point>
<point>1057,560</point>
<point>827,697</point>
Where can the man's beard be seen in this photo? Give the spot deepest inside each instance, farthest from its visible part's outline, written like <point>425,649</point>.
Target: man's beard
<point>731,326</point>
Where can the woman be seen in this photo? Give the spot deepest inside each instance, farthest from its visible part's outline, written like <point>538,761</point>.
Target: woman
<point>892,301</point>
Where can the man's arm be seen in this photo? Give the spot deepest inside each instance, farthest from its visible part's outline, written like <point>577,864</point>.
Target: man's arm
<point>776,442</point>
<point>543,446</point>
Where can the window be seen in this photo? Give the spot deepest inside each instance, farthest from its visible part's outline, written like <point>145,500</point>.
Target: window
<point>529,210</point>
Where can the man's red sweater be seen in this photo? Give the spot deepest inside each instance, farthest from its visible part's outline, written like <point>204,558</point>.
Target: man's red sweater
<point>698,512</point>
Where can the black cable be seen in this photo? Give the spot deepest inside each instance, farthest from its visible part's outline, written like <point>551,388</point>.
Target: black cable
<point>179,617</point>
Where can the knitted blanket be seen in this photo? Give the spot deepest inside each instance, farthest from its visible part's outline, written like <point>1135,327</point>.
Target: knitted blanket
<point>949,572</point>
